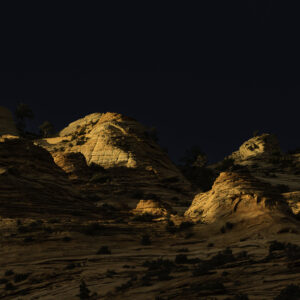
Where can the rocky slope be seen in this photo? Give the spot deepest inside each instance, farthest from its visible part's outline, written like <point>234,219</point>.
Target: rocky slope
<point>131,160</point>
<point>262,156</point>
<point>32,184</point>
<point>239,197</point>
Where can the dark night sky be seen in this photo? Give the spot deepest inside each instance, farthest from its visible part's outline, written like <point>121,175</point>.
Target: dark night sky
<point>243,77</point>
<point>218,115</point>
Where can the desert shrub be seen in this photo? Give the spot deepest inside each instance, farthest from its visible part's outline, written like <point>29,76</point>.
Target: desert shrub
<point>84,292</point>
<point>292,251</point>
<point>3,280</point>
<point>93,229</point>
<point>110,273</point>
<point>185,225</point>
<point>72,266</point>
<point>9,287</point>
<point>199,177</point>
<point>209,245</point>
<point>145,240</point>
<point>9,272</point>
<point>104,250</point>
<point>66,239</point>
<point>181,259</point>
<point>151,196</point>
<point>96,168</point>
<point>183,250</point>
<point>170,180</point>
<point>213,287</point>
<point>239,297</point>
<point>160,268</point>
<point>99,178</point>
<point>20,277</point>
<point>226,164</point>
<point>282,188</point>
<point>294,151</point>
<point>228,226</point>
<point>28,239</point>
<point>222,258</point>
<point>124,286</point>
<point>146,217</point>
<point>291,292</point>
<point>138,194</point>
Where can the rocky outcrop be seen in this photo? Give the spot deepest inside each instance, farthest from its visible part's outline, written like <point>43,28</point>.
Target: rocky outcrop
<point>152,207</point>
<point>125,149</point>
<point>7,124</point>
<point>31,184</point>
<point>72,163</point>
<point>293,199</point>
<point>239,197</point>
<point>264,145</point>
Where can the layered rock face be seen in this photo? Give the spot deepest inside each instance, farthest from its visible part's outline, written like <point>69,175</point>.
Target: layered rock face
<point>31,184</point>
<point>152,207</point>
<point>264,145</point>
<point>239,197</point>
<point>7,124</point>
<point>123,147</point>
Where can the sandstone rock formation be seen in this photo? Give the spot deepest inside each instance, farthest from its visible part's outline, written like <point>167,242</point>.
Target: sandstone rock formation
<point>239,197</point>
<point>31,184</point>
<point>126,150</point>
<point>293,199</point>
<point>7,124</point>
<point>153,207</point>
<point>264,145</point>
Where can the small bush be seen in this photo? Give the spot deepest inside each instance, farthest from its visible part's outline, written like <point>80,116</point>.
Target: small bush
<point>110,273</point>
<point>181,259</point>
<point>138,194</point>
<point>99,178</point>
<point>84,292</point>
<point>145,240</point>
<point>9,273</point>
<point>185,225</point>
<point>291,292</point>
<point>282,188</point>
<point>9,286</point>
<point>20,277</point>
<point>93,229</point>
<point>183,250</point>
<point>146,217</point>
<point>104,250</point>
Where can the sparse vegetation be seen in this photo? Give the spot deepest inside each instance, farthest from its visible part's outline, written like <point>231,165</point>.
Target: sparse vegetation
<point>145,240</point>
<point>84,292</point>
<point>104,250</point>
<point>93,229</point>
<point>145,217</point>
<point>20,277</point>
<point>291,292</point>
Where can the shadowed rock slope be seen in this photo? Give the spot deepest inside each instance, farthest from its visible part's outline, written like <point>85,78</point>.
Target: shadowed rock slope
<point>32,184</point>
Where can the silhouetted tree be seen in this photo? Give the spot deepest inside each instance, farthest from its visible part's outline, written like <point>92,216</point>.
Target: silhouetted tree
<point>194,157</point>
<point>23,112</point>
<point>46,129</point>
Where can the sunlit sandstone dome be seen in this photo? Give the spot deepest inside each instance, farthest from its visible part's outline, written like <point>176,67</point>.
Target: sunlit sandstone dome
<point>237,196</point>
<point>113,140</point>
<point>7,124</point>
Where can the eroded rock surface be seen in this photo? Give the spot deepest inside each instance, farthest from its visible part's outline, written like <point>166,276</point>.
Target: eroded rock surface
<point>32,184</point>
<point>238,196</point>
